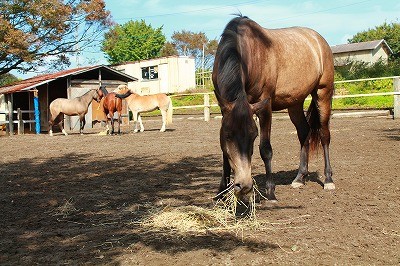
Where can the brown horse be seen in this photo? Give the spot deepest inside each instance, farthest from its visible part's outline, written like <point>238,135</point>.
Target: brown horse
<point>112,103</point>
<point>147,103</point>
<point>257,71</point>
<point>77,106</point>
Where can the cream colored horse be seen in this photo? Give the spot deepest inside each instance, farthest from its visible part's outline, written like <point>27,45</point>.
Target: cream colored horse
<point>72,107</point>
<point>140,104</point>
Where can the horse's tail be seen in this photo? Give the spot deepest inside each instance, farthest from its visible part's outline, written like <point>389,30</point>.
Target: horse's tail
<point>123,96</point>
<point>313,119</point>
<point>169,111</point>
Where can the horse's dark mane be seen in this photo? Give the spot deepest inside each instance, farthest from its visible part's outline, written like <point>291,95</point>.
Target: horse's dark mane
<point>230,71</point>
<point>240,39</point>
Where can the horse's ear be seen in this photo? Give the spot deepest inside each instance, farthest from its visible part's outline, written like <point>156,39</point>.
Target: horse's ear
<point>225,105</point>
<point>258,106</point>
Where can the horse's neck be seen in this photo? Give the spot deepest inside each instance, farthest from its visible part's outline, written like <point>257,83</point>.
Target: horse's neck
<point>87,97</point>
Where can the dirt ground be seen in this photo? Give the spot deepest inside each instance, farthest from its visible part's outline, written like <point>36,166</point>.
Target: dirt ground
<point>79,200</point>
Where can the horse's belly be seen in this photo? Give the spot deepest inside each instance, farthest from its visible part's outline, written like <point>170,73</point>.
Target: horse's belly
<point>283,100</point>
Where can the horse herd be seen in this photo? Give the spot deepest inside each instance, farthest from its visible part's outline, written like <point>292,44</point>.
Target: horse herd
<point>256,71</point>
<point>111,104</point>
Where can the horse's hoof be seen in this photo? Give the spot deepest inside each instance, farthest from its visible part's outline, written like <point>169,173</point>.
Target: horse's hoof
<point>329,186</point>
<point>297,184</point>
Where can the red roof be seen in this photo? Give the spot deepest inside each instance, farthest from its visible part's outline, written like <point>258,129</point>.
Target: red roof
<point>31,83</point>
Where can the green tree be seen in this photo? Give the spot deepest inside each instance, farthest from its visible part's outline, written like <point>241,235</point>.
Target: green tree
<point>388,31</point>
<point>44,32</point>
<point>6,79</point>
<point>169,49</point>
<point>134,40</point>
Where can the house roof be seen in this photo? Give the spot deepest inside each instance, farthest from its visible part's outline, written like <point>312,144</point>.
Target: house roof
<point>153,59</point>
<point>31,83</point>
<point>361,46</point>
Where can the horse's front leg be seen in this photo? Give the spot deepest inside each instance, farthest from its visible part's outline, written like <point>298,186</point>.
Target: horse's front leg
<point>225,180</point>
<point>140,123</point>
<point>112,122</point>
<point>135,121</point>
<point>266,151</point>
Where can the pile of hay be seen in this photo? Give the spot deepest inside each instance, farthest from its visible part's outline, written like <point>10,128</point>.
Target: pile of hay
<point>224,216</point>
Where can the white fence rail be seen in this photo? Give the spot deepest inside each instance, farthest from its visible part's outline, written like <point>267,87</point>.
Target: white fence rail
<point>395,94</point>
<point>9,123</point>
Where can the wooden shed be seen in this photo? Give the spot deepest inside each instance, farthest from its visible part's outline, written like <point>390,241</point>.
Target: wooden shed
<point>69,84</point>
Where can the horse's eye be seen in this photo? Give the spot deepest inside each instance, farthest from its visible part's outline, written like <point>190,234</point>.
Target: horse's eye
<point>228,136</point>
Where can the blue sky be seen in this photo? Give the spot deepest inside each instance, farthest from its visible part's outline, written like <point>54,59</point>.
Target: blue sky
<point>336,20</point>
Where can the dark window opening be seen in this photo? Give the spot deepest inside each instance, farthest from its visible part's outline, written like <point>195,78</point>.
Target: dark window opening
<point>150,72</point>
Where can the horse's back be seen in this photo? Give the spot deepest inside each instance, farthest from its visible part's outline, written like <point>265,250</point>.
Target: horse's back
<point>148,102</point>
<point>66,106</point>
<point>295,62</point>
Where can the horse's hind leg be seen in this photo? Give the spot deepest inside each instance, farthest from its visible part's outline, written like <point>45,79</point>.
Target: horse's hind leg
<point>164,120</point>
<point>51,123</point>
<point>299,120</point>
<point>119,123</point>
<point>60,119</point>
<point>324,98</point>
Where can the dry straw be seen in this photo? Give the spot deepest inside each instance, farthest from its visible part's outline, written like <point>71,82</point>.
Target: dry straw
<point>226,215</point>
<point>65,209</point>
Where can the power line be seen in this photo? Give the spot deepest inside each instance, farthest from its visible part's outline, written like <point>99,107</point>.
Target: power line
<point>320,11</point>
<point>194,10</point>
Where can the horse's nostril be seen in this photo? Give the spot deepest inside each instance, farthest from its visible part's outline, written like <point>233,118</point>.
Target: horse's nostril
<point>238,186</point>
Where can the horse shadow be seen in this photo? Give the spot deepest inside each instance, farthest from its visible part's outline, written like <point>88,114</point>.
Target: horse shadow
<point>284,178</point>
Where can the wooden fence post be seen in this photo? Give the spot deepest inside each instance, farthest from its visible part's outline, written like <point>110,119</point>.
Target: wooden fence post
<point>206,107</point>
<point>20,122</point>
<point>396,104</point>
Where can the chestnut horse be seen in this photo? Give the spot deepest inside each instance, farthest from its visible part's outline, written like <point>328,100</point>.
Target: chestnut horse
<point>257,71</point>
<point>147,103</point>
<point>77,106</point>
<point>112,103</point>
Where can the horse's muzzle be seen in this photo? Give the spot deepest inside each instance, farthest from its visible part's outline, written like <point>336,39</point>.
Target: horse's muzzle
<point>242,189</point>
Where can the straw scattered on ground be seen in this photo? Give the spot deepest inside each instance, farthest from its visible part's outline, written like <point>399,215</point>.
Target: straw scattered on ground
<point>228,214</point>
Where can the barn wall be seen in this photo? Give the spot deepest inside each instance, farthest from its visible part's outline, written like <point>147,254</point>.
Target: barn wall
<point>369,56</point>
<point>175,74</point>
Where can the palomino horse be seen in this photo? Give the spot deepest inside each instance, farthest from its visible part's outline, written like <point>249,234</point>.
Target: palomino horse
<point>257,71</point>
<point>147,103</point>
<point>77,106</point>
<point>112,102</point>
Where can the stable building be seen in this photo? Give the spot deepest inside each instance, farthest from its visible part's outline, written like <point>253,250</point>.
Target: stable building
<point>44,89</point>
<point>369,52</point>
<point>170,75</point>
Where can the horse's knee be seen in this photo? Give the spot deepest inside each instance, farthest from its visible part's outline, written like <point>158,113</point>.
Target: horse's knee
<point>266,151</point>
